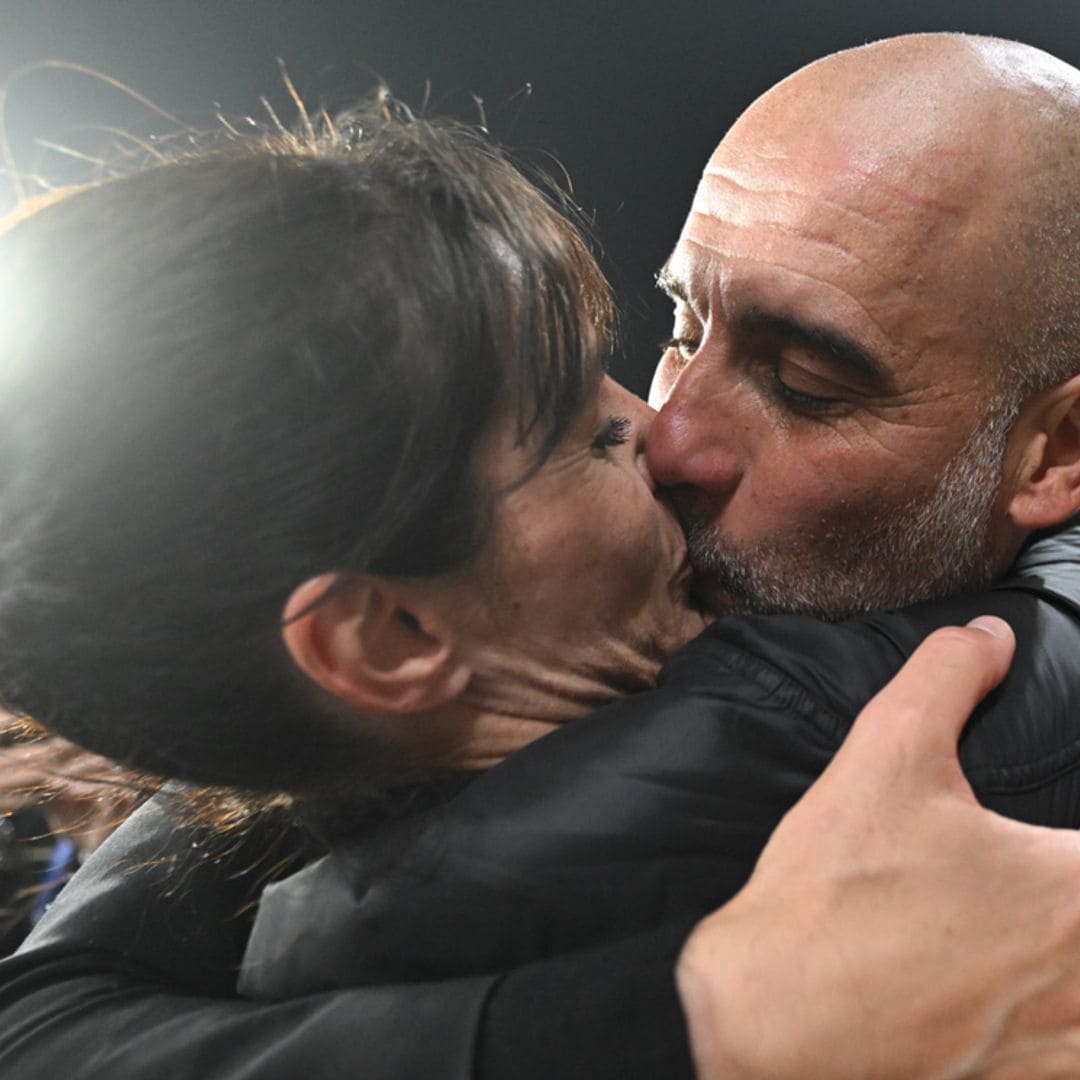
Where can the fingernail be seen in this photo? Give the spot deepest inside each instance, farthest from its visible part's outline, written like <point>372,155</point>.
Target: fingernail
<point>999,628</point>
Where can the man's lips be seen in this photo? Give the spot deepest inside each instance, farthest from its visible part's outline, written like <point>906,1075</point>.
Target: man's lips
<point>689,506</point>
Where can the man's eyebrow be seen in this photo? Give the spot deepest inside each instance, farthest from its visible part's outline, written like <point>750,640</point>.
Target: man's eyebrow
<point>668,283</point>
<point>853,358</point>
<point>850,356</point>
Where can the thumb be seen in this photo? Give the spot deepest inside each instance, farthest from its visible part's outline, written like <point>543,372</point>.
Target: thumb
<point>910,729</point>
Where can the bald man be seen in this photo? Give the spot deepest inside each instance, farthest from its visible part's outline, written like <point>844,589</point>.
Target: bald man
<point>870,395</point>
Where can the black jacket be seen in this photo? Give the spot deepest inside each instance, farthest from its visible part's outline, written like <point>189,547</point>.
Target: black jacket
<point>129,975</point>
<point>657,807</point>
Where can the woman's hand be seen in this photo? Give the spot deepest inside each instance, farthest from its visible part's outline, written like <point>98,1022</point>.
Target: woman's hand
<point>892,927</point>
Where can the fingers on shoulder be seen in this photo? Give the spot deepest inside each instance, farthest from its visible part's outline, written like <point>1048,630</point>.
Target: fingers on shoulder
<point>955,665</point>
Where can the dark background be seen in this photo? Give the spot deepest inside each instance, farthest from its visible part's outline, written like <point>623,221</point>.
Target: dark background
<point>630,97</point>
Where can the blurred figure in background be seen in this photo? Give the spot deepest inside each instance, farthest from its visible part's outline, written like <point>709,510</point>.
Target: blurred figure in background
<point>57,804</point>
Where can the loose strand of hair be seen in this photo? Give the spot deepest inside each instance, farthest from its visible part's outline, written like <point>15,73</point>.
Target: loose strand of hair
<point>298,101</point>
<point>7,156</point>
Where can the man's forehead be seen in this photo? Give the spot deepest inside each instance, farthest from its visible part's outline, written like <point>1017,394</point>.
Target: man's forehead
<point>891,175</point>
<point>719,269</point>
<point>849,217</point>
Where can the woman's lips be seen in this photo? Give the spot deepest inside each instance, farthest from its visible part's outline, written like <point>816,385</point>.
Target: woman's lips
<point>687,588</point>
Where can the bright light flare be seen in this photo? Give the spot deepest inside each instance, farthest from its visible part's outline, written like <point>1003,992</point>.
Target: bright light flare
<point>21,306</point>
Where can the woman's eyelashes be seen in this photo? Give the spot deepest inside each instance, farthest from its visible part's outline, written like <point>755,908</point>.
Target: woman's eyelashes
<point>616,431</point>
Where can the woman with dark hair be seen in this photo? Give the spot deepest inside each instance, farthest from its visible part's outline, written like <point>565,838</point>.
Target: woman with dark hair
<point>311,456</point>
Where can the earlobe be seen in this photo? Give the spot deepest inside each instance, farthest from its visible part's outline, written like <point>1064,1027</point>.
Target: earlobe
<point>372,645</point>
<point>1047,485</point>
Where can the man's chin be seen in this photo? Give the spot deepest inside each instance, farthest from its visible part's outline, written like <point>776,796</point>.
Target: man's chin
<point>730,581</point>
<point>734,584</point>
<point>824,593</point>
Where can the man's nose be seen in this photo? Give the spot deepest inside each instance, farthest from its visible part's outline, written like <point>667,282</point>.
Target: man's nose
<point>691,441</point>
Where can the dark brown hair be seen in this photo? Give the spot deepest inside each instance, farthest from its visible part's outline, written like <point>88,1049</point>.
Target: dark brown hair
<point>224,374</point>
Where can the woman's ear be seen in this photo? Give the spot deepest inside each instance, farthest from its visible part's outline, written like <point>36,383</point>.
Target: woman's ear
<point>1047,450</point>
<point>374,644</point>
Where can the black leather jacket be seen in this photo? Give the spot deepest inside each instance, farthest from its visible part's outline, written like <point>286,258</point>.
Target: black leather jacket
<point>657,807</point>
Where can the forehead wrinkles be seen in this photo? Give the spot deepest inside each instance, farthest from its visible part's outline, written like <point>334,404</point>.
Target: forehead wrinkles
<point>852,200</point>
<point>885,228</point>
<point>742,233</point>
<point>736,212</point>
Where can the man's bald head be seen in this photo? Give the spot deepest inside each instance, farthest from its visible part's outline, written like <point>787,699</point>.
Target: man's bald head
<point>879,276</point>
<point>987,128</point>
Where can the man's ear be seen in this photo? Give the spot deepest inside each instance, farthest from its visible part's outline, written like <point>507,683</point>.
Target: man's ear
<point>1046,452</point>
<point>374,644</point>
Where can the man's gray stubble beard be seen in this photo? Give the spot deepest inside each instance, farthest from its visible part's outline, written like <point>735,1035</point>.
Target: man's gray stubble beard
<point>924,549</point>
